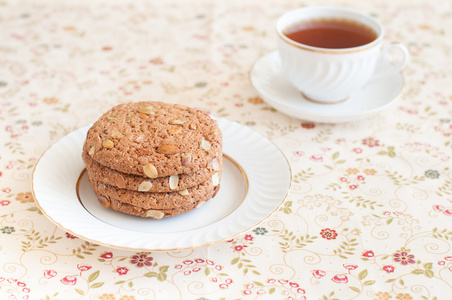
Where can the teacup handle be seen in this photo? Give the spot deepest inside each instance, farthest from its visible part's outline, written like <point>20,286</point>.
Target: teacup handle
<point>390,66</point>
<point>406,55</point>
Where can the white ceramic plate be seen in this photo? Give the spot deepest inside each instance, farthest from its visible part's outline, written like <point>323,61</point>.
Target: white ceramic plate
<point>255,181</point>
<point>276,90</point>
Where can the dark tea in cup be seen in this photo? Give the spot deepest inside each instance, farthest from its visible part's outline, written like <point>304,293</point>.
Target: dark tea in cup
<point>329,53</point>
<point>331,33</point>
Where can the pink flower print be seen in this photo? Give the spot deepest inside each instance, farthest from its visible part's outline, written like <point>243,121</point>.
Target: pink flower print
<point>412,111</point>
<point>403,258</point>
<point>249,237</point>
<point>50,273</point>
<point>271,280</point>
<point>318,273</point>
<point>368,253</point>
<point>69,280</point>
<point>298,153</point>
<point>358,150</point>
<point>199,260</point>
<point>70,236</point>
<point>370,142</point>
<point>107,255</point>
<point>329,234</point>
<point>445,158</point>
<point>441,263</point>
<point>240,247</point>
<point>246,292</point>
<point>301,291</point>
<point>141,260</point>
<point>350,267</point>
<point>388,269</point>
<point>448,212</point>
<point>188,262</point>
<point>122,270</point>
<point>340,278</point>
<point>343,179</point>
<point>353,187</point>
<point>293,284</point>
<point>5,202</point>
<point>360,177</point>
<point>317,157</point>
<point>448,258</point>
<point>83,268</point>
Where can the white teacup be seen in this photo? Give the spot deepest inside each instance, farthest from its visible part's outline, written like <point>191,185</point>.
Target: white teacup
<point>330,75</point>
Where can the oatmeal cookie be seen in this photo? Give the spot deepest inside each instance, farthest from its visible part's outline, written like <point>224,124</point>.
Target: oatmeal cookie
<point>154,139</point>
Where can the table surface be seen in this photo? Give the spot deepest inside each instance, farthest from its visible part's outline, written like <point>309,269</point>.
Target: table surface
<point>369,211</point>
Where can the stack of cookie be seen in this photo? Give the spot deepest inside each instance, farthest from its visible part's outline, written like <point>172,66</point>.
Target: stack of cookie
<point>154,159</point>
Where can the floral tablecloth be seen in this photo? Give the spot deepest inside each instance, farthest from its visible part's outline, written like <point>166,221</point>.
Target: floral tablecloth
<point>369,212</point>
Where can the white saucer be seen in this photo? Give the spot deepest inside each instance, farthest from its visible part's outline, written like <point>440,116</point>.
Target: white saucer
<point>250,193</point>
<point>277,91</point>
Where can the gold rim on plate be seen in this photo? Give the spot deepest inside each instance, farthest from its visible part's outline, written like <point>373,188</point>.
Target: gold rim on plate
<point>230,236</point>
